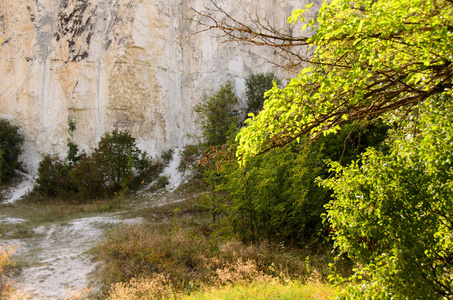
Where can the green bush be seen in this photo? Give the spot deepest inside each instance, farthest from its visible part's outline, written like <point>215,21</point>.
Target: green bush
<point>117,157</point>
<point>189,157</point>
<point>217,115</point>
<point>53,177</point>
<point>11,141</point>
<point>392,211</point>
<point>167,156</point>
<point>276,196</point>
<point>116,165</point>
<point>88,178</point>
<point>255,87</point>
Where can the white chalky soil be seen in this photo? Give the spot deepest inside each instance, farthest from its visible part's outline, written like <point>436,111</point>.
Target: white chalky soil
<point>57,257</point>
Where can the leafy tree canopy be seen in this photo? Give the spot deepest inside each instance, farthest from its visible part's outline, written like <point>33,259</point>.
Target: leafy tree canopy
<point>369,58</point>
<point>217,115</point>
<point>393,212</point>
<point>255,87</point>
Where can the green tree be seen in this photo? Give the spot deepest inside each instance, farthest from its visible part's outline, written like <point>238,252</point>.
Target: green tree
<point>276,196</point>
<point>217,115</point>
<point>392,210</point>
<point>255,87</point>
<point>116,158</point>
<point>370,57</point>
<point>11,141</point>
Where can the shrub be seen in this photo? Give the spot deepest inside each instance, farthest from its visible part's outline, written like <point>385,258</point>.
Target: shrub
<point>167,156</point>
<point>115,165</point>
<point>11,141</point>
<point>117,158</point>
<point>148,172</point>
<point>217,115</point>
<point>88,179</point>
<point>5,264</point>
<point>1,159</point>
<point>189,156</point>
<point>53,177</point>
<point>276,195</point>
<point>255,87</point>
<point>392,211</point>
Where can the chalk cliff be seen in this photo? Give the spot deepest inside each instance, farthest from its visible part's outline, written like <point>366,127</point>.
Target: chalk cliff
<point>130,64</point>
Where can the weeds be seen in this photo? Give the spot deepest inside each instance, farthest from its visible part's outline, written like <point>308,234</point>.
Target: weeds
<point>146,288</point>
<point>179,252</point>
<point>167,156</point>
<point>5,264</point>
<point>189,158</point>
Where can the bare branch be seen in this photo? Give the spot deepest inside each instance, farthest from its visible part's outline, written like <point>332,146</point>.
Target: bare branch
<point>252,30</point>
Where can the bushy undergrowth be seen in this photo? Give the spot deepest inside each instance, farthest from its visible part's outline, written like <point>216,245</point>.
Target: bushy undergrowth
<point>179,252</point>
<point>276,196</point>
<point>11,141</point>
<point>189,158</point>
<point>115,166</point>
<point>391,213</point>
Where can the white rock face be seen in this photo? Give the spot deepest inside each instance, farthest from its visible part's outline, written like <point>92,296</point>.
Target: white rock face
<point>128,64</point>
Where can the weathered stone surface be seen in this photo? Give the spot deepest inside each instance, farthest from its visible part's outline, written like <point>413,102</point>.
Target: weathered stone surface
<point>128,64</point>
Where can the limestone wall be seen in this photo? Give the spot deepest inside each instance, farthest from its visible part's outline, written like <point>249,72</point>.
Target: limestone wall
<point>129,64</point>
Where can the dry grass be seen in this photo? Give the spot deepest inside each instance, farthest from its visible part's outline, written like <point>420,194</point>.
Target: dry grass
<point>268,289</point>
<point>242,280</point>
<point>157,286</point>
<point>178,253</point>
<point>5,264</point>
<point>132,251</point>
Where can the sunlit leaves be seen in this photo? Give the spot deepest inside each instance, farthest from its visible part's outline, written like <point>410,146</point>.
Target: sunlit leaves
<point>298,15</point>
<point>393,212</point>
<point>370,57</point>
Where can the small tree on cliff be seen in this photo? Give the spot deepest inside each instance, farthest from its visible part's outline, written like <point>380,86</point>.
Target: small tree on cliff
<point>255,87</point>
<point>217,115</point>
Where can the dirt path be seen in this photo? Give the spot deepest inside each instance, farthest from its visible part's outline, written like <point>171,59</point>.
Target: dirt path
<point>57,258</point>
